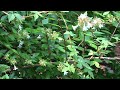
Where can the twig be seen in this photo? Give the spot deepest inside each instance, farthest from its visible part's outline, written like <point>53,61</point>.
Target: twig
<point>114,31</point>
<point>49,52</point>
<point>84,44</point>
<point>107,58</point>
<point>80,43</point>
<point>5,12</point>
<point>63,38</point>
<point>30,66</point>
<point>71,61</point>
<point>29,15</point>
<point>64,21</point>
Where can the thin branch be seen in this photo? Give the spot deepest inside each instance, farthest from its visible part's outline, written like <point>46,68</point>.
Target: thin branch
<point>80,43</point>
<point>30,66</point>
<point>40,12</point>
<point>107,58</point>
<point>114,31</point>
<point>71,61</point>
<point>84,44</point>
<point>63,38</point>
<point>64,21</point>
<point>49,52</point>
<point>5,12</point>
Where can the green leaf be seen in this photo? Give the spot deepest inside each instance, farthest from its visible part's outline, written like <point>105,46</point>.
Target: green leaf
<point>3,33</point>
<point>91,74</point>
<point>61,48</point>
<point>115,23</point>
<point>66,36</point>
<point>117,14</point>
<point>91,52</point>
<point>3,18</point>
<point>83,62</point>
<point>12,37</point>
<point>86,65</point>
<point>18,16</point>
<point>35,55</point>
<point>36,17</point>
<point>5,76</point>
<point>45,21</point>
<point>54,24</point>
<point>98,60</point>
<point>106,31</point>
<point>105,13</point>
<point>71,48</point>
<point>69,33</point>
<point>97,64</point>
<point>1,54</point>
<point>93,46</point>
<point>79,65</point>
<point>97,33</point>
<point>11,17</point>
<point>4,68</point>
<point>65,69</point>
<point>72,68</point>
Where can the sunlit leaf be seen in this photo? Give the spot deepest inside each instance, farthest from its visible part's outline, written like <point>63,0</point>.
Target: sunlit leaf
<point>18,16</point>
<point>105,13</point>
<point>35,17</point>
<point>11,17</point>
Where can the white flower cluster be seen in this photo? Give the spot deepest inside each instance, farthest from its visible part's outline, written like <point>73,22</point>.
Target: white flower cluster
<point>65,73</point>
<point>15,68</point>
<point>20,27</point>
<point>20,44</point>
<point>39,37</point>
<point>26,34</point>
<point>86,22</point>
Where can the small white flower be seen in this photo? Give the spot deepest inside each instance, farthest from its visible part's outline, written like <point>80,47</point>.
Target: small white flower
<point>28,36</point>
<point>15,68</point>
<point>100,25</point>
<point>75,27</point>
<point>89,25</point>
<point>39,37</point>
<point>65,73</point>
<point>25,33</point>
<point>85,28</point>
<point>94,21</point>
<point>82,16</point>
<point>20,27</point>
<point>20,44</point>
<point>93,28</point>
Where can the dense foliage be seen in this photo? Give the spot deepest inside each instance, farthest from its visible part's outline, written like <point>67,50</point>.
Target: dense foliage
<point>58,44</point>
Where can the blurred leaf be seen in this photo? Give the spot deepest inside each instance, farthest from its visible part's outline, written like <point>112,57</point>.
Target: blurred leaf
<point>11,17</point>
<point>72,68</point>
<point>4,68</point>
<point>95,63</point>
<point>35,17</point>
<point>61,48</point>
<point>91,74</point>
<point>105,13</point>
<point>45,21</point>
<point>115,23</point>
<point>5,76</point>
<point>18,16</point>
